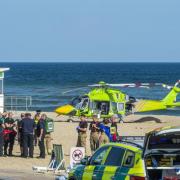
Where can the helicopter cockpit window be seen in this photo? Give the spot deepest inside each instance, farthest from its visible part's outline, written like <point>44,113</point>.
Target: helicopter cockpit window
<point>84,103</point>
<point>101,107</point>
<point>80,102</point>
<point>75,101</point>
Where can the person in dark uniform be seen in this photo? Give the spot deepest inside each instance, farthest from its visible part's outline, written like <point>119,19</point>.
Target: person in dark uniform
<point>10,129</point>
<point>20,133</point>
<point>82,132</point>
<point>41,131</point>
<point>2,126</point>
<point>28,126</point>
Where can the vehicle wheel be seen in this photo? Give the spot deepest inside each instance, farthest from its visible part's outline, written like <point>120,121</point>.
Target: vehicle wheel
<point>70,120</point>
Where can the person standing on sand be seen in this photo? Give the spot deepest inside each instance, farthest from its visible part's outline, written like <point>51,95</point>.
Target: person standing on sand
<point>94,135</point>
<point>20,133</point>
<point>28,126</point>
<point>105,136</point>
<point>48,137</point>
<point>36,120</point>
<point>10,134</point>
<point>82,132</point>
<point>41,131</point>
<point>113,129</point>
<point>2,126</point>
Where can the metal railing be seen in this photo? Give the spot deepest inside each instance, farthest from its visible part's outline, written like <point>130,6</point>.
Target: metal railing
<point>14,103</point>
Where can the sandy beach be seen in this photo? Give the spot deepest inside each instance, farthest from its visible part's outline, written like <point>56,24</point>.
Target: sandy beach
<point>65,134</point>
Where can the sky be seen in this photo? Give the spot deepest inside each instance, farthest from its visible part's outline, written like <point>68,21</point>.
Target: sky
<point>89,30</point>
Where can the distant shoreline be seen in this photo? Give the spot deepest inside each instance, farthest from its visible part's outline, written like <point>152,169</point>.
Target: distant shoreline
<point>89,62</point>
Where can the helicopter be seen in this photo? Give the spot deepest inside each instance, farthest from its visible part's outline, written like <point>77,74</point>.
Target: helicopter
<point>105,101</point>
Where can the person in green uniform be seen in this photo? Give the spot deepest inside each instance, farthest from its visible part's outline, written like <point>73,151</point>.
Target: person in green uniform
<point>10,129</point>
<point>1,134</point>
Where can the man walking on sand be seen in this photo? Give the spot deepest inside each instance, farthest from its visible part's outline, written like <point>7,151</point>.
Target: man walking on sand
<point>94,135</point>
<point>82,132</point>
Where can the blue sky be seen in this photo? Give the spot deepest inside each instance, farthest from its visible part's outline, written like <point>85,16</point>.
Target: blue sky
<point>89,30</point>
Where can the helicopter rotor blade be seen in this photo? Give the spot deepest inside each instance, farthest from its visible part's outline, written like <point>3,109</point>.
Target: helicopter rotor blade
<point>94,85</point>
<point>72,90</point>
<point>138,85</point>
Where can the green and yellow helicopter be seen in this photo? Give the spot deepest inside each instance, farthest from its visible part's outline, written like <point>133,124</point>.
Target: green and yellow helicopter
<point>103,99</point>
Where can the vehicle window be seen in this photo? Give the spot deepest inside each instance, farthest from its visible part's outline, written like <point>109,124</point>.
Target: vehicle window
<point>120,106</point>
<point>115,157</point>
<point>99,156</point>
<point>168,141</point>
<point>101,106</point>
<point>114,107</point>
<point>129,159</point>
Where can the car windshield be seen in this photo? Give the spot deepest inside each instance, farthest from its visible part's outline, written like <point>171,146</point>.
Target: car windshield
<point>170,141</point>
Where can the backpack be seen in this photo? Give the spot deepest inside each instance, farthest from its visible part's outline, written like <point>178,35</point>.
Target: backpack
<point>49,125</point>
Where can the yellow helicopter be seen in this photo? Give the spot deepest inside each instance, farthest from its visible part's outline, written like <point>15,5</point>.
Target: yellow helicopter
<point>103,99</point>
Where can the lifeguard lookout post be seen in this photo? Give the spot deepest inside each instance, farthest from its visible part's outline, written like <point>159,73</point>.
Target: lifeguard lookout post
<point>2,70</point>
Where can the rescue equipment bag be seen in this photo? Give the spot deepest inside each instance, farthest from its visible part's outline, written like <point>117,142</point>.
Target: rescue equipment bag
<point>49,125</point>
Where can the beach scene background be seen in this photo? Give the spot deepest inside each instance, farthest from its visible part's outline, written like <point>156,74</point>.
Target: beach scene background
<point>47,82</point>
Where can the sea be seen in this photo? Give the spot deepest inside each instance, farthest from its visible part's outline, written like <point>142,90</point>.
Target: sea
<point>47,82</point>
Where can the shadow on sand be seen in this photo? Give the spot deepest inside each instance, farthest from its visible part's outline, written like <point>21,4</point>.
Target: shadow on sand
<point>146,119</point>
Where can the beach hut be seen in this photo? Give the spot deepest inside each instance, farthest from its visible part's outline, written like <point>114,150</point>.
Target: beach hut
<point>2,70</point>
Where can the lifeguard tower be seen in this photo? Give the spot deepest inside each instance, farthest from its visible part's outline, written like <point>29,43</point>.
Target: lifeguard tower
<point>2,70</point>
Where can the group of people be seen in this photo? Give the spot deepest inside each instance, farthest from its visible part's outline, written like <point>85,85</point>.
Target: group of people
<point>28,130</point>
<point>100,132</point>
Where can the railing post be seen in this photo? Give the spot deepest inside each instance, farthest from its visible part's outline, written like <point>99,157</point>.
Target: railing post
<point>11,103</point>
<point>26,103</point>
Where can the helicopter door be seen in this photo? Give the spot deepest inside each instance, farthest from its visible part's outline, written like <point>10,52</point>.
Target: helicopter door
<point>101,107</point>
<point>120,107</point>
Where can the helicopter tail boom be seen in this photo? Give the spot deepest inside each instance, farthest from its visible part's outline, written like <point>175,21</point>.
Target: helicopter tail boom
<point>170,99</point>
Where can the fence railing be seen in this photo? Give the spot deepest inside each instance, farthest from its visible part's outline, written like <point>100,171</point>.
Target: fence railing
<point>14,103</point>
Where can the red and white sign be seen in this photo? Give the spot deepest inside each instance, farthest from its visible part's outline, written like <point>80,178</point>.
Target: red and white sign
<point>76,155</point>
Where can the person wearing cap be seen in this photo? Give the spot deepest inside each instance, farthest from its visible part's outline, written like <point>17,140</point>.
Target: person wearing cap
<point>82,132</point>
<point>114,131</point>
<point>28,126</point>
<point>2,126</point>
<point>94,134</point>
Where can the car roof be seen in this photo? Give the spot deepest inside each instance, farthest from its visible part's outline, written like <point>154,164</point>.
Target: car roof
<point>125,145</point>
<point>168,129</point>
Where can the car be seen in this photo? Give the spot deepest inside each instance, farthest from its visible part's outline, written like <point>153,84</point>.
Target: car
<point>162,153</point>
<point>116,161</point>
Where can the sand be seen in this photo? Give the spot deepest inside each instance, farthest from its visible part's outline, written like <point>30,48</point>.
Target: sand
<point>65,134</point>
